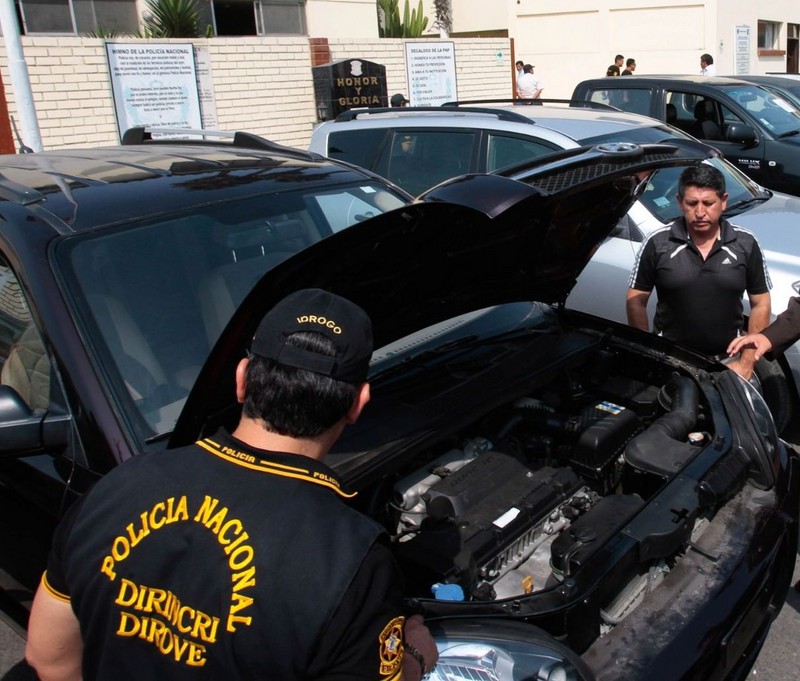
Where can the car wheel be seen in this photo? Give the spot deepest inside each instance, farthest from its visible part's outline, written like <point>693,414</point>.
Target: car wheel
<point>776,391</point>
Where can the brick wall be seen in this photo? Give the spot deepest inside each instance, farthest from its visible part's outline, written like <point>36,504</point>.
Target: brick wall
<point>262,85</point>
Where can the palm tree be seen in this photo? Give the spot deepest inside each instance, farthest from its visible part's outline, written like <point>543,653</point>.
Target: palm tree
<point>172,19</point>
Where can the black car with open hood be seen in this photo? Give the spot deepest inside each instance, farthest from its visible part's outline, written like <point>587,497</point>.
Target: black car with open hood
<point>568,498</point>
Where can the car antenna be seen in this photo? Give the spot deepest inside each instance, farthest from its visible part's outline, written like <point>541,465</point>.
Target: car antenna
<point>23,148</point>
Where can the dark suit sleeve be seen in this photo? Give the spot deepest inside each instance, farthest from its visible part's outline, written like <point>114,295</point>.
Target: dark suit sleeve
<point>785,330</point>
<point>363,640</point>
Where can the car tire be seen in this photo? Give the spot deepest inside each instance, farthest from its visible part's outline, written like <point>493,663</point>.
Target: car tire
<point>776,391</point>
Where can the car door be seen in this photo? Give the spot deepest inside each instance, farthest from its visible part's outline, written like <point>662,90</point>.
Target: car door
<point>710,118</point>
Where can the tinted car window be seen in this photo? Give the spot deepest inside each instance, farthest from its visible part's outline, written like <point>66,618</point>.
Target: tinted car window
<point>634,100</point>
<point>506,150</point>
<point>359,147</point>
<point>24,365</point>
<point>416,160</point>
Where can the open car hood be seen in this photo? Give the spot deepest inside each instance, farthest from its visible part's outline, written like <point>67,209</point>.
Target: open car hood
<point>467,244</point>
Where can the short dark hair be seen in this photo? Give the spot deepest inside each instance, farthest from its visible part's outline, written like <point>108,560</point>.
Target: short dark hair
<point>707,58</point>
<point>630,61</point>
<point>295,402</point>
<point>702,175</point>
<point>619,56</point>
<point>520,62</point>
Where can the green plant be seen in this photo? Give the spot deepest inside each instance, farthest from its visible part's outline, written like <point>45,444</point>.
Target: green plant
<point>172,19</point>
<point>106,34</point>
<point>413,24</point>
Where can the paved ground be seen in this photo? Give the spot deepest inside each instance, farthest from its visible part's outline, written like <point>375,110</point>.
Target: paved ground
<point>12,645</point>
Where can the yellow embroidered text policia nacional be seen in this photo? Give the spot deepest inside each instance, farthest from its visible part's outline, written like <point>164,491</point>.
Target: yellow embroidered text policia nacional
<point>170,572</point>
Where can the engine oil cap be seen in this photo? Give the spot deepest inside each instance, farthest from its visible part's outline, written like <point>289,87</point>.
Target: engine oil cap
<point>697,438</point>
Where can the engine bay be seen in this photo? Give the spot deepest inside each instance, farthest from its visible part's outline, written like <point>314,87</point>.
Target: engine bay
<point>519,500</point>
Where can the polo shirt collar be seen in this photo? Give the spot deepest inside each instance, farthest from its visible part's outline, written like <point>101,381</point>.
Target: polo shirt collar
<point>223,445</point>
<point>679,232</point>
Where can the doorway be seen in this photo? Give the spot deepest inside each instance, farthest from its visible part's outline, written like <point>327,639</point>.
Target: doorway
<point>235,17</point>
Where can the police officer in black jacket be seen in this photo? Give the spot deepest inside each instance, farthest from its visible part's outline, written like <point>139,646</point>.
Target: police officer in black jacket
<point>235,558</point>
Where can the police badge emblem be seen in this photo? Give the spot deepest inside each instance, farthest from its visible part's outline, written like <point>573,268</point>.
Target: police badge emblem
<point>391,648</point>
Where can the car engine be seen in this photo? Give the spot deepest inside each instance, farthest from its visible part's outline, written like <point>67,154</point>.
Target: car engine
<point>514,510</point>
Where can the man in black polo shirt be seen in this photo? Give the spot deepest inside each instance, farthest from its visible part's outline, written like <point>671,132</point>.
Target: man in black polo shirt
<point>700,266</point>
<point>235,557</point>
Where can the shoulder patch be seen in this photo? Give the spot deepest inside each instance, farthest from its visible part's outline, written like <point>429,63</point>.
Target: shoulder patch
<point>390,643</point>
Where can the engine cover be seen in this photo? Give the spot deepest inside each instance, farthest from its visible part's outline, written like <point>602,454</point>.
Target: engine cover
<point>481,517</point>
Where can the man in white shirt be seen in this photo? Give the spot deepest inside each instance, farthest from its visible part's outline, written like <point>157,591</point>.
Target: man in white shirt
<point>707,67</point>
<point>528,85</point>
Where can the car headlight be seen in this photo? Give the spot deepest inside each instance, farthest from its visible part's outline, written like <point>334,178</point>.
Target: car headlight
<point>503,651</point>
<point>755,436</point>
<point>763,416</point>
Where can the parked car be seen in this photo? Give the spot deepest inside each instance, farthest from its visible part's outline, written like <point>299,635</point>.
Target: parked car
<point>484,138</point>
<point>607,503</point>
<point>419,147</point>
<point>757,130</point>
<point>119,268</point>
<point>594,502</point>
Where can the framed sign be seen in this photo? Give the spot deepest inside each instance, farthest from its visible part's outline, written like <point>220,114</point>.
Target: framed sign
<point>431,72</point>
<point>741,57</point>
<point>154,84</point>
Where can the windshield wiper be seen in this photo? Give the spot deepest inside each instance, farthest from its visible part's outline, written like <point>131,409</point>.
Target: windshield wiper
<point>789,133</point>
<point>745,203</point>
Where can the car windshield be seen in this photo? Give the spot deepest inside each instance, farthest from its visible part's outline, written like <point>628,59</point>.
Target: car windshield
<point>775,113</point>
<point>154,296</point>
<point>662,187</point>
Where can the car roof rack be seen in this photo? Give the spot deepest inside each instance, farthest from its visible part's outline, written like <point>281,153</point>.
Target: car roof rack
<point>577,103</point>
<point>501,114</point>
<point>18,193</point>
<point>140,135</point>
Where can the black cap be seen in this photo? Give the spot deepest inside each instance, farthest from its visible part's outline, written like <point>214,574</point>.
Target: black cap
<point>345,323</point>
<point>398,99</point>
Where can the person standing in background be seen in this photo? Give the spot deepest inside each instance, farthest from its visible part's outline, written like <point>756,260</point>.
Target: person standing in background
<point>630,67</point>
<point>528,85</point>
<point>707,67</point>
<point>701,265</point>
<point>399,100</point>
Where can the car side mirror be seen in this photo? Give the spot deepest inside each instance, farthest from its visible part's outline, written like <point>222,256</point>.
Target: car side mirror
<point>741,134</point>
<point>24,432</point>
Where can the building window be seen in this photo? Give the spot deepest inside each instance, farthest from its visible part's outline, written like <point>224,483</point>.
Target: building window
<point>77,17</point>
<point>769,33</point>
<point>283,17</point>
<point>259,17</point>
